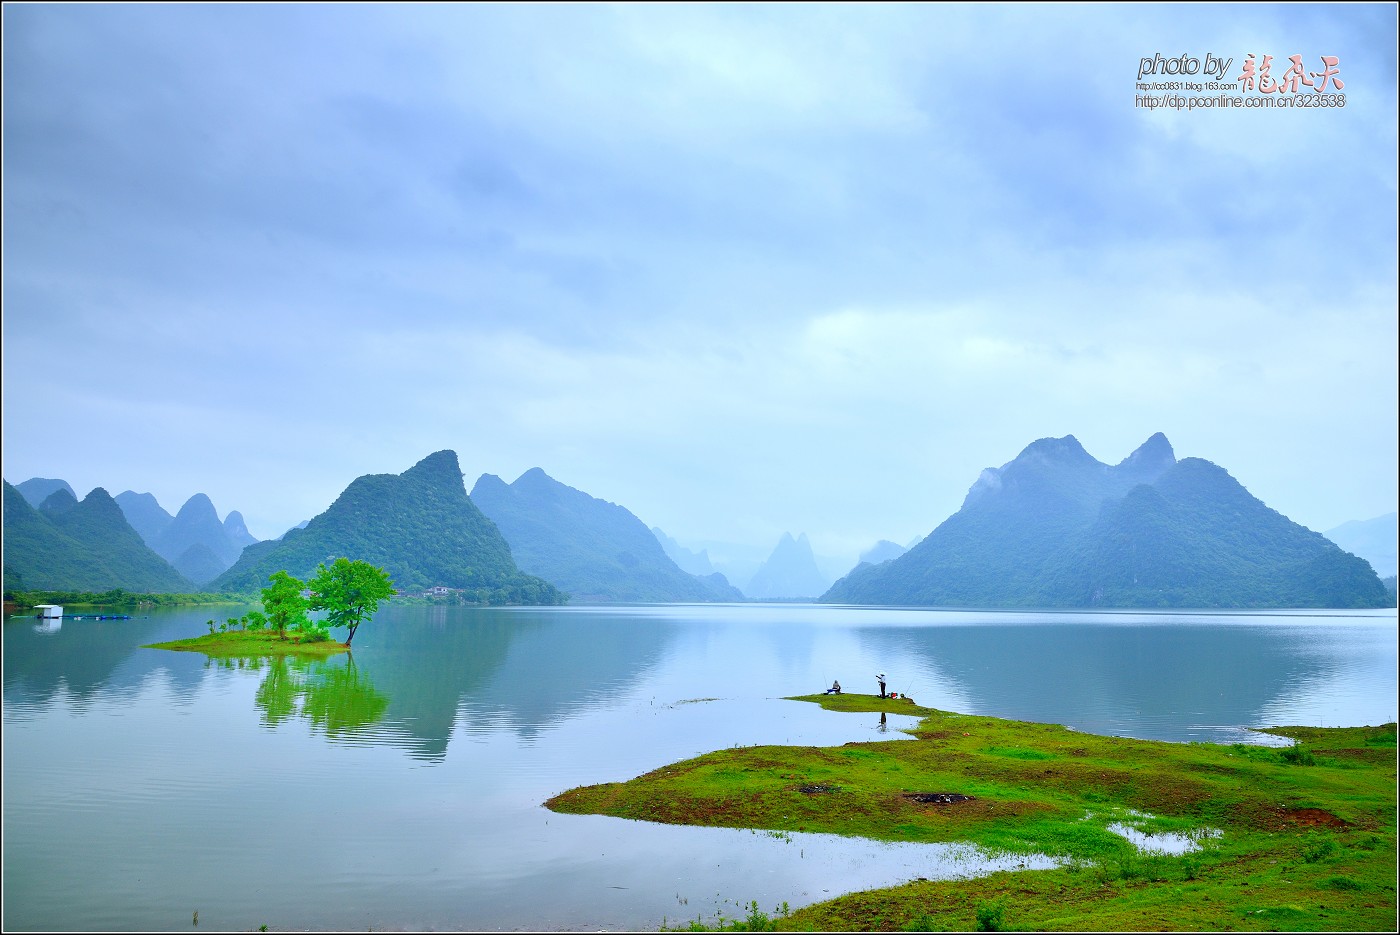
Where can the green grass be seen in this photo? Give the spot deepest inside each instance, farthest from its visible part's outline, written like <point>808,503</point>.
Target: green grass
<point>1307,843</point>
<point>252,643</point>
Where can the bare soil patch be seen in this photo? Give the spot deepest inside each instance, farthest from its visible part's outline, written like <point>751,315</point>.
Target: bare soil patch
<point>1311,818</point>
<point>938,798</point>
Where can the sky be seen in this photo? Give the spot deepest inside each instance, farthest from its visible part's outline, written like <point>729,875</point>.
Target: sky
<point>743,269</point>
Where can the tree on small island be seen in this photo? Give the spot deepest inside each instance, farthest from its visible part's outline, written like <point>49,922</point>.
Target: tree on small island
<point>283,603</point>
<point>349,592</point>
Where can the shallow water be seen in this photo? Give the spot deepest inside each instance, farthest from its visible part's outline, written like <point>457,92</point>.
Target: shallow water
<point>402,788</point>
<point>1163,842</point>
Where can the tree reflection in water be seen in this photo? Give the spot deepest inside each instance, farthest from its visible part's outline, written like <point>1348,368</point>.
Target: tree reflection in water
<point>335,695</point>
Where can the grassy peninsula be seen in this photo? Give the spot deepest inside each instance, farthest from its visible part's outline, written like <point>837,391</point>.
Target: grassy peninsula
<point>254,643</point>
<point>1298,838</point>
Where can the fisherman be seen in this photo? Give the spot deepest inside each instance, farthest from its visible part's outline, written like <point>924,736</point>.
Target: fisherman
<point>881,679</point>
<point>835,689</point>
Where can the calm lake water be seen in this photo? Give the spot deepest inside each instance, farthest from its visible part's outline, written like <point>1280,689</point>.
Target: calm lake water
<point>400,788</point>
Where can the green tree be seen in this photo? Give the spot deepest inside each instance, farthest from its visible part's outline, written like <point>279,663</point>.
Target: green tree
<point>283,603</point>
<point>349,592</point>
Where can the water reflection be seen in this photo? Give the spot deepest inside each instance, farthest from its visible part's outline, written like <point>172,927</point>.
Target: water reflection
<point>442,669</point>
<point>335,694</point>
<point>1160,680</point>
<point>483,670</point>
<point>82,658</point>
<point>111,751</point>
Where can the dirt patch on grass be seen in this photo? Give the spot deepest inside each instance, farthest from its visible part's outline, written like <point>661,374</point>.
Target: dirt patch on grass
<point>938,798</point>
<point>1310,818</point>
<point>818,789</point>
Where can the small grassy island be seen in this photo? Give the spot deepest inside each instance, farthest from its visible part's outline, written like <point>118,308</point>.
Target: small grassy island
<point>254,643</point>
<point>1297,838</point>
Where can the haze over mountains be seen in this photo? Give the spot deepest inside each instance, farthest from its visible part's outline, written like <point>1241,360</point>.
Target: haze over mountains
<point>1057,528</point>
<point>87,545</point>
<point>790,572</point>
<point>882,551</point>
<point>1054,527</point>
<point>1372,539</point>
<point>37,489</point>
<point>695,563</point>
<point>194,540</point>
<point>592,549</point>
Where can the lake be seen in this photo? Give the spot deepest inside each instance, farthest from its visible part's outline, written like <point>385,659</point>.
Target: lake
<point>400,787</point>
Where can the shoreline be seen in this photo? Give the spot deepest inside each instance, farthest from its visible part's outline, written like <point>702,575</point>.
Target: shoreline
<point>251,643</point>
<point>1296,838</point>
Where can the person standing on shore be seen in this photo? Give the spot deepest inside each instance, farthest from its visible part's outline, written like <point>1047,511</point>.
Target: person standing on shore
<point>881,679</point>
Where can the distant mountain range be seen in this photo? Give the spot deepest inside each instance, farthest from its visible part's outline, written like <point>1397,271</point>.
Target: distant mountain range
<point>882,551</point>
<point>194,541</point>
<point>592,549</point>
<point>37,489</point>
<point>790,572</point>
<point>67,545</point>
<point>1054,527</point>
<point>1371,539</point>
<point>1057,528</point>
<point>691,562</point>
<point>419,526</point>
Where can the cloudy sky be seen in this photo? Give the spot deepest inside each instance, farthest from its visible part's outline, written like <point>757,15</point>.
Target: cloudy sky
<point>742,269</point>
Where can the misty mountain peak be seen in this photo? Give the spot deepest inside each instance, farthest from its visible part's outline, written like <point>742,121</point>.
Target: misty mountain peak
<point>199,507</point>
<point>535,479</point>
<point>145,514</point>
<point>37,489</point>
<point>790,572</point>
<point>1041,459</point>
<point>99,503</point>
<point>536,485</point>
<point>591,548</point>
<point>1150,459</point>
<point>438,469</point>
<point>882,551</point>
<point>1065,449</point>
<point>60,501</point>
<point>487,482</point>
<point>1055,528</point>
<point>237,530</point>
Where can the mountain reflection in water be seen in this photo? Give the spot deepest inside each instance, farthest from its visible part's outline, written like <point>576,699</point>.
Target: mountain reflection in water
<point>440,736</point>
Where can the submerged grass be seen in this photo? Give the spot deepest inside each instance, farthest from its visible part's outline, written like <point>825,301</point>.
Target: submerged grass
<point>252,643</point>
<point>1305,843</point>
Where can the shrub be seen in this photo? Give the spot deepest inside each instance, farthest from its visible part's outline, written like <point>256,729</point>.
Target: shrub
<point>991,917</point>
<point>1298,756</point>
<point>1318,849</point>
